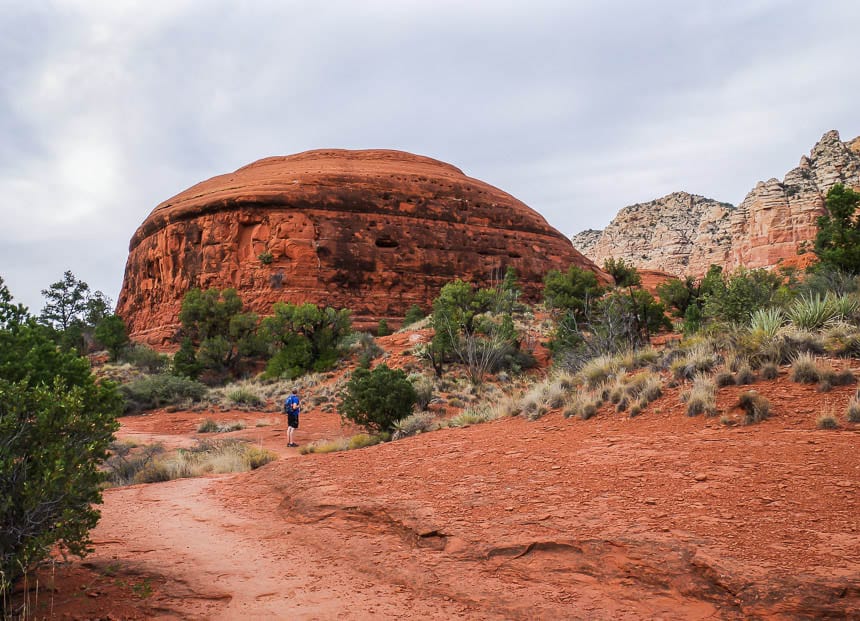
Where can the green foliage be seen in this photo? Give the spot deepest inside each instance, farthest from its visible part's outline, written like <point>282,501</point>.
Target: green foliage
<point>185,360</point>
<point>111,333</point>
<point>304,337</point>
<point>474,327</point>
<point>735,298</point>
<point>624,274</point>
<point>155,391</point>
<point>837,242</point>
<point>56,424</point>
<point>413,315</point>
<point>382,328</point>
<point>144,357</point>
<point>216,325</point>
<point>11,314</point>
<point>65,302</point>
<point>678,294</point>
<point>266,257</point>
<point>813,312</point>
<point>571,291</point>
<point>377,399</point>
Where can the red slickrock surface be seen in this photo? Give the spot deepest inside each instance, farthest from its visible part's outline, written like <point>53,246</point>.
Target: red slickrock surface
<point>374,231</point>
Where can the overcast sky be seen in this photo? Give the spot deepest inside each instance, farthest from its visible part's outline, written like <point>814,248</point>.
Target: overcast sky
<point>577,108</point>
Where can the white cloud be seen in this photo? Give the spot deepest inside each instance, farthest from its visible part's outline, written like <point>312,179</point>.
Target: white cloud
<point>109,107</point>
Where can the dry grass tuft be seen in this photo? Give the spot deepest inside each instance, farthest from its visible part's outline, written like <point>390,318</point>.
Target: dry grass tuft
<point>756,407</point>
<point>702,397</point>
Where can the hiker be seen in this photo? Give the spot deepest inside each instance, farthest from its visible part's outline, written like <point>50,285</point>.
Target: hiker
<point>291,409</point>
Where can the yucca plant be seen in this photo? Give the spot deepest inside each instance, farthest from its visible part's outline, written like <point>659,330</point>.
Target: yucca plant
<point>767,322</point>
<point>846,306</point>
<point>813,312</point>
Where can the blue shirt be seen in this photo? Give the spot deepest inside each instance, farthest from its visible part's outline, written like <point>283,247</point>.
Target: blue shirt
<point>291,405</point>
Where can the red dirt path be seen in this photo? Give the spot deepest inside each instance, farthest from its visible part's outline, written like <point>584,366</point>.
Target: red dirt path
<point>660,516</point>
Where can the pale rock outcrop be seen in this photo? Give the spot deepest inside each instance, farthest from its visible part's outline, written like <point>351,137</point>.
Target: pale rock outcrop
<point>685,234</point>
<point>658,235</point>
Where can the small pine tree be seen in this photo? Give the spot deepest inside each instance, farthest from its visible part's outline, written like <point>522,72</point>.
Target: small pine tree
<point>377,399</point>
<point>382,328</point>
<point>413,315</point>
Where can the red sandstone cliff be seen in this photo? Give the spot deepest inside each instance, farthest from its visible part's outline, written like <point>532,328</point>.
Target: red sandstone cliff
<point>373,231</point>
<point>685,234</point>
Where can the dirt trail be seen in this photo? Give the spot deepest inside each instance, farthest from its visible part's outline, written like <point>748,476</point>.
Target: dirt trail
<point>232,563</point>
<point>657,517</point>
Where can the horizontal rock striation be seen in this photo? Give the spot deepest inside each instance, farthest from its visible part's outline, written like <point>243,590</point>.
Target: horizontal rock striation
<point>685,234</point>
<point>374,231</point>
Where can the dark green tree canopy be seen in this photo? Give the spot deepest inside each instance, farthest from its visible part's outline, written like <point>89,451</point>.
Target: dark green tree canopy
<point>65,302</point>
<point>377,399</point>
<point>56,424</point>
<point>571,291</point>
<point>837,243</point>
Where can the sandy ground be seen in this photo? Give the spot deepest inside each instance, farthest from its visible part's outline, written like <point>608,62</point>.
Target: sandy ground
<point>657,517</point>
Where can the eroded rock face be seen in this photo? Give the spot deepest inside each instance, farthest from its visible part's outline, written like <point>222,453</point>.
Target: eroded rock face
<point>685,234</point>
<point>658,235</point>
<point>373,231</point>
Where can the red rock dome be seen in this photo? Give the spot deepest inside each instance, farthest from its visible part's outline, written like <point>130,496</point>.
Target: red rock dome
<point>374,231</point>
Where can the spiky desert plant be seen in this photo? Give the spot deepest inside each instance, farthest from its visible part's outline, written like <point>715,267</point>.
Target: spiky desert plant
<point>846,306</point>
<point>804,369</point>
<point>812,312</point>
<point>756,408</point>
<point>766,323</point>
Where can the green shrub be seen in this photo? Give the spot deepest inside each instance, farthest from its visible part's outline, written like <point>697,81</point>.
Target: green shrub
<point>56,424</point>
<point>382,328</point>
<point>157,391</point>
<point>413,315</point>
<point>245,396</point>
<point>266,257</point>
<point>145,358</point>
<point>377,399</point>
<point>756,408</point>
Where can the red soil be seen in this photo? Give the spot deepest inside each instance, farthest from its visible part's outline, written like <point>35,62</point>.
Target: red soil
<point>659,516</point>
